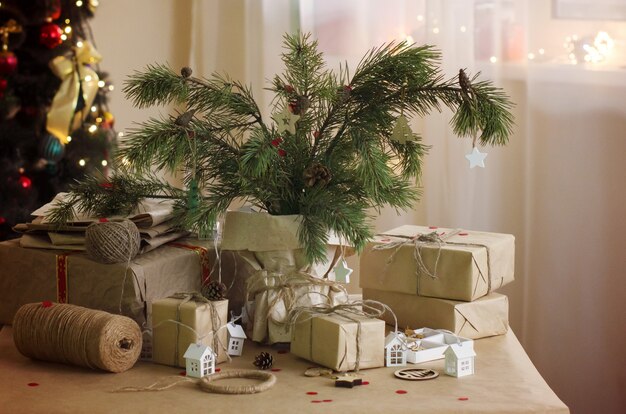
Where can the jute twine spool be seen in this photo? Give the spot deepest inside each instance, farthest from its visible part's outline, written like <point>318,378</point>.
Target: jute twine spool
<point>112,241</point>
<point>75,335</point>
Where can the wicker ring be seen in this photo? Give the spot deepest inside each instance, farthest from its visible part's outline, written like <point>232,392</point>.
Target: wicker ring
<point>268,381</point>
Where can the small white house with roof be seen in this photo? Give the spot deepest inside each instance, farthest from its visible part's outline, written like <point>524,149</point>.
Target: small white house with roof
<point>459,360</point>
<point>200,360</point>
<point>236,337</point>
<point>395,350</point>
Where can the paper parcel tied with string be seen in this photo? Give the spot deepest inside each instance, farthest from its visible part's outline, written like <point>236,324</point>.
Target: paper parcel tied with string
<point>451,264</point>
<point>280,277</point>
<point>180,320</point>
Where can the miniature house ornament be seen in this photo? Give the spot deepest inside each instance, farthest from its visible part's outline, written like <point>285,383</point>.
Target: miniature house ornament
<point>395,350</point>
<point>200,360</point>
<point>459,360</point>
<point>236,337</point>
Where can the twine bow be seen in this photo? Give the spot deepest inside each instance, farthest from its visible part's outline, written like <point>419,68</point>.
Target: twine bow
<point>76,75</point>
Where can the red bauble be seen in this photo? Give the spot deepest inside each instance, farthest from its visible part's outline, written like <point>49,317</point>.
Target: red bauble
<point>55,10</point>
<point>8,63</point>
<point>3,85</point>
<point>50,35</point>
<point>25,182</point>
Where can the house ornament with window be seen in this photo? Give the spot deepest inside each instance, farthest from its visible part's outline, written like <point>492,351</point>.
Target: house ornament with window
<point>395,350</point>
<point>459,360</point>
<point>200,360</point>
<point>236,337</point>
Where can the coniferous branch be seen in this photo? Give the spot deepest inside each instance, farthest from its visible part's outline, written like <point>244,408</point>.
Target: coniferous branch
<point>157,85</point>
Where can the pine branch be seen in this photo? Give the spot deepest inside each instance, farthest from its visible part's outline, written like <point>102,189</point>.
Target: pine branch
<point>156,85</point>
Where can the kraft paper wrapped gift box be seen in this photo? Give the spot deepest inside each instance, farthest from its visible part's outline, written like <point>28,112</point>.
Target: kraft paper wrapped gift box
<point>33,275</point>
<point>487,316</point>
<point>170,339</point>
<point>331,340</point>
<point>469,264</point>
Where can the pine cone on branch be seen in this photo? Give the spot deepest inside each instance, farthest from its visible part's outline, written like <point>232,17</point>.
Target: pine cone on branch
<point>317,174</point>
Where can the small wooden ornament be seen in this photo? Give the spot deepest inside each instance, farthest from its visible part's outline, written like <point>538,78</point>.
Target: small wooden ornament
<point>402,131</point>
<point>416,374</point>
<point>286,121</point>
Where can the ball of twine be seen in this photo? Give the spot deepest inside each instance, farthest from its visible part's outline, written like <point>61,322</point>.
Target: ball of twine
<point>75,335</point>
<point>112,241</point>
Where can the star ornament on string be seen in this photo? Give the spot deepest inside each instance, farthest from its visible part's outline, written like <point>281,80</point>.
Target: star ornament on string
<point>286,121</point>
<point>342,272</point>
<point>476,158</point>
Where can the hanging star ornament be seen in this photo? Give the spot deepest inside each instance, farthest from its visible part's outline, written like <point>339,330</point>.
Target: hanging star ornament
<point>286,121</point>
<point>402,131</point>
<point>342,272</point>
<point>476,158</point>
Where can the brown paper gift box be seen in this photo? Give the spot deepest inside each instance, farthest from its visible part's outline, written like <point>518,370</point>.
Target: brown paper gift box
<point>331,341</point>
<point>30,275</point>
<point>170,338</point>
<point>487,316</point>
<point>466,270</point>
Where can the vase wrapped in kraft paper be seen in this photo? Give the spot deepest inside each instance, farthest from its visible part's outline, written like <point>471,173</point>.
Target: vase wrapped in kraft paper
<point>456,264</point>
<point>281,277</point>
<point>487,316</point>
<point>334,340</point>
<point>171,319</point>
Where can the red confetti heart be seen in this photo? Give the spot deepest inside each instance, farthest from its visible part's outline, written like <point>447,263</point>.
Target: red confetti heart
<point>218,369</point>
<point>182,373</point>
<point>401,392</point>
<point>282,152</point>
<point>463,234</point>
<point>311,393</point>
<point>365,383</point>
<point>433,227</point>
<point>276,369</point>
<point>46,304</point>
<point>277,141</point>
<point>316,401</point>
<point>463,398</point>
<point>33,384</point>
<point>103,220</point>
<point>327,400</point>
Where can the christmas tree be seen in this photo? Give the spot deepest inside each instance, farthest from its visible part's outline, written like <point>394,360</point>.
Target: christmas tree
<point>54,123</point>
<point>336,146</point>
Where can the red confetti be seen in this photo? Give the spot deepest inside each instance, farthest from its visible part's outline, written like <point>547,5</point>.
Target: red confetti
<point>218,369</point>
<point>327,400</point>
<point>463,234</point>
<point>401,392</point>
<point>276,369</point>
<point>347,88</point>
<point>33,384</point>
<point>46,304</point>
<point>282,152</point>
<point>283,351</point>
<point>316,401</point>
<point>463,398</point>
<point>106,185</point>
<point>103,220</point>
<point>365,383</point>
<point>433,227</point>
<point>277,141</point>
<point>311,393</point>
<point>183,373</point>
<point>385,240</point>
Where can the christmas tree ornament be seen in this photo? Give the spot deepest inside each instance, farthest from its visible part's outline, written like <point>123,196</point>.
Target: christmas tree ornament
<point>112,241</point>
<point>214,290</point>
<point>286,121</point>
<point>55,10</point>
<point>50,35</point>
<point>342,271</point>
<point>8,63</point>
<point>476,158</point>
<point>316,174</point>
<point>25,182</point>
<point>264,360</point>
<point>402,131</point>
<point>51,148</point>
<point>76,77</point>
<point>3,85</point>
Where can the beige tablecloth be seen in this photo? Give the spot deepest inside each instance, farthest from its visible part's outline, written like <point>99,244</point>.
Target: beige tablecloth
<point>505,382</point>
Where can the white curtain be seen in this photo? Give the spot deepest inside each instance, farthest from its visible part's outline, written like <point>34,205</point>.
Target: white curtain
<point>558,186</point>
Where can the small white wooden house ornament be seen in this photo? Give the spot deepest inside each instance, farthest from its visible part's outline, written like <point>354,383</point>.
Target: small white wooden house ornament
<point>459,360</point>
<point>236,337</point>
<point>200,360</point>
<point>395,350</point>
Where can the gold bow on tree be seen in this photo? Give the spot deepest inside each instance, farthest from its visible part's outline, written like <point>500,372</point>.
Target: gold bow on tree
<point>75,74</point>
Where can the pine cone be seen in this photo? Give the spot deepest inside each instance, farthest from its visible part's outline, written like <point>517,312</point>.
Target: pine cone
<point>264,360</point>
<point>184,119</point>
<point>214,290</point>
<point>464,82</point>
<point>316,174</point>
<point>186,72</point>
